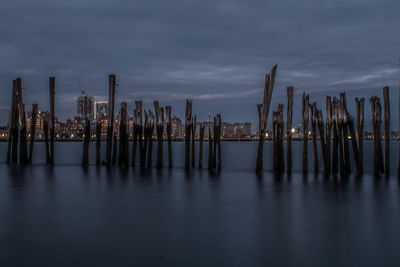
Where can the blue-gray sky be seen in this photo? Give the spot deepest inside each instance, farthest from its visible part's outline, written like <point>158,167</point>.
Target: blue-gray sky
<point>215,52</point>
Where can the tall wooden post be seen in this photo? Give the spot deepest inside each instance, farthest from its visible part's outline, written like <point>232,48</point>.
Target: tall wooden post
<point>13,131</point>
<point>23,150</point>
<point>219,124</point>
<point>354,142</point>
<point>123,157</point>
<point>139,134</point>
<point>313,113</point>
<point>98,143</point>
<point>335,132</point>
<point>328,133</point>
<point>169,134</point>
<point>386,107</point>
<point>46,138</point>
<point>289,115</point>
<point>188,130</point>
<point>52,118</point>
<point>193,132</point>
<point>210,152</point>
<point>322,140</point>
<point>305,115</point>
<point>33,130</point>
<point>149,129</point>
<point>86,142</point>
<point>360,132</point>
<point>344,124</point>
<point>263,112</point>
<point>202,126</point>
<point>110,117</point>
<point>159,112</point>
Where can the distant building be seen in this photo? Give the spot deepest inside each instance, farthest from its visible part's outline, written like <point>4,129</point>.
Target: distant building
<point>85,106</point>
<point>100,108</point>
<point>176,128</point>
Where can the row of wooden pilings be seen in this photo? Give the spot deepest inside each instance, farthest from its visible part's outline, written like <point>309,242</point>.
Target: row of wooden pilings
<point>334,136</point>
<point>143,134</point>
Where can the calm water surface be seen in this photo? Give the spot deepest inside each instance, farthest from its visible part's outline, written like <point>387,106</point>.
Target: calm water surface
<point>70,216</point>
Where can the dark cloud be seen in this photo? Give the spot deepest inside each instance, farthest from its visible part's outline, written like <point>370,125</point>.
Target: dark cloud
<point>215,52</point>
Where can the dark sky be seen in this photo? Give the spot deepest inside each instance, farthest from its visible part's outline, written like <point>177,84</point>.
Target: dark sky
<point>215,52</point>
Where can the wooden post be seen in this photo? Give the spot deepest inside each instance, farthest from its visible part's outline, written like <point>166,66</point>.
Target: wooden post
<point>169,135</point>
<point>360,132</point>
<point>123,138</point>
<point>336,131</point>
<point>322,140</point>
<point>339,130</point>
<point>386,107</point>
<point>46,138</point>
<point>193,141</point>
<point>110,117</point>
<point>98,142</point>
<point>114,149</point>
<point>289,129</point>
<point>354,142</point>
<point>215,131</point>
<point>145,138</point>
<point>263,111</point>
<point>328,133</point>
<point>376,122</point>
<point>52,118</point>
<point>23,150</point>
<point>279,142</point>
<point>150,129</point>
<point>135,136</point>
<point>86,142</point>
<point>188,129</point>
<point>379,135</point>
<point>305,132</point>
<point>33,130</point>
<point>159,112</point>
<point>139,134</point>
<point>313,113</point>
<point>210,152</point>
<point>202,126</point>
<point>12,155</point>
<point>344,125</point>
<point>219,141</point>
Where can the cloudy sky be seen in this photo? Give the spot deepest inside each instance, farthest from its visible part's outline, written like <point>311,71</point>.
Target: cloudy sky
<point>215,52</point>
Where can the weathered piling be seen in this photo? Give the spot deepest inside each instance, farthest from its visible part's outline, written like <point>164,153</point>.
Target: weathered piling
<point>46,139</point>
<point>134,136</point>
<point>305,115</point>
<point>328,133</point>
<point>23,149</point>
<point>386,116</point>
<point>354,142</point>
<point>13,132</point>
<point>201,138</point>
<point>139,134</point>
<point>52,118</point>
<point>98,143</point>
<point>193,157</point>
<point>344,125</point>
<point>337,109</point>
<point>123,153</point>
<point>150,129</point>
<point>277,119</point>
<point>114,149</point>
<point>86,142</point>
<point>360,132</point>
<point>145,139</point>
<point>169,134</point>
<point>335,132</point>
<point>320,123</point>
<point>210,152</point>
<point>32,131</point>
<point>313,123</point>
<point>376,123</point>
<point>110,117</point>
<point>289,116</point>
<point>218,139</point>
<point>188,129</point>
<point>263,111</point>
<point>159,112</point>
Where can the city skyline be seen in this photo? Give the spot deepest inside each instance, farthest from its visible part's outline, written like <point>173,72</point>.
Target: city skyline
<point>219,60</point>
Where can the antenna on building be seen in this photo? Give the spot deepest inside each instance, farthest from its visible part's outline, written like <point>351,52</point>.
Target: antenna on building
<point>80,86</point>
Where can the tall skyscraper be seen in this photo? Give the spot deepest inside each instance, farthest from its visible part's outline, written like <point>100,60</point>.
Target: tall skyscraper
<point>85,106</point>
<point>100,109</point>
